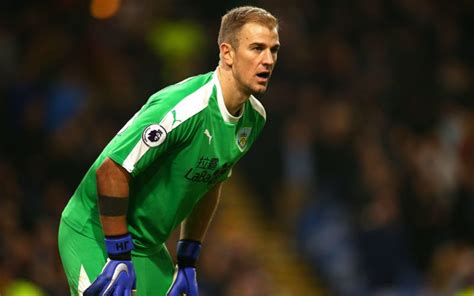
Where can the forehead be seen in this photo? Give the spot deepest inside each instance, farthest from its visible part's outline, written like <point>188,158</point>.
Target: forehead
<point>257,33</point>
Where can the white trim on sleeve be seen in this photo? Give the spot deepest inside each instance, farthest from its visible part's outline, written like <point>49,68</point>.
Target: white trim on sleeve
<point>185,109</point>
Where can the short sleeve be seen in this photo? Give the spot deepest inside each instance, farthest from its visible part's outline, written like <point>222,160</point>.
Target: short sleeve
<point>151,133</point>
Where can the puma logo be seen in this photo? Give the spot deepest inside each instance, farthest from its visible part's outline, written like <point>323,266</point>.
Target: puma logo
<point>175,120</point>
<point>208,134</point>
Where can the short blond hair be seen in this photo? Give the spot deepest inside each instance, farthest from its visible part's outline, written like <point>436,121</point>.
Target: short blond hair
<point>236,18</point>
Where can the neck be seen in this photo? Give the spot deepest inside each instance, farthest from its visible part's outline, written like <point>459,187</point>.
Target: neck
<point>234,97</point>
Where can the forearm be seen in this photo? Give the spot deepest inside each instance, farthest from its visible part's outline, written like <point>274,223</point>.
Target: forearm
<point>193,230</point>
<point>113,191</point>
<point>196,225</point>
<point>118,274</point>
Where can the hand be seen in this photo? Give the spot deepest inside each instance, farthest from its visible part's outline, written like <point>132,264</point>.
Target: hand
<point>118,275</point>
<point>185,281</point>
<point>117,278</point>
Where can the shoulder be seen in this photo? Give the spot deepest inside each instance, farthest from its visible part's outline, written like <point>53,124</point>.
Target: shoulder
<point>186,99</point>
<point>258,107</point>
<point>182,89</point>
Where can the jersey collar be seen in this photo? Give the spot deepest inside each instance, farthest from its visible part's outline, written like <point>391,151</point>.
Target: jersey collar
<point>220,101</point>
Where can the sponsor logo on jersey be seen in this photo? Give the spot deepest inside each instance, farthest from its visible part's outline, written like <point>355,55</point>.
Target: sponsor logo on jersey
<point>242,137</point>
<point>154,135</point>
<point>207,170</point>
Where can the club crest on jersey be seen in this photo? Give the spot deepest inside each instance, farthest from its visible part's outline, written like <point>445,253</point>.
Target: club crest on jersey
<point>242,137</point>
<point>154,135</point>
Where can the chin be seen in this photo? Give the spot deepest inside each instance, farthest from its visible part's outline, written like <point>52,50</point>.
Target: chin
<point>259,90</point>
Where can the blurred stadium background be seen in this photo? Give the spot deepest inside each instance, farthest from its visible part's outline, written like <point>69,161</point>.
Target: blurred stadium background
<point>361,184</point>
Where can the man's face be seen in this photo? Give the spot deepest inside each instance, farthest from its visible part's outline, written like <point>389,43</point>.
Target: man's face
<point>255,57</point>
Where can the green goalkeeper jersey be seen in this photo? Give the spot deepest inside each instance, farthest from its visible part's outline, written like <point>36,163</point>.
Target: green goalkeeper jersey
<point>177,147</point>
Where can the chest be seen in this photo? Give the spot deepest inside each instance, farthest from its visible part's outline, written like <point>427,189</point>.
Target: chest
<point>215,147</point>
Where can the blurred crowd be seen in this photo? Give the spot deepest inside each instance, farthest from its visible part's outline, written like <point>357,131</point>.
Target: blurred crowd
<point>372,117</point>
<point>366,162</point>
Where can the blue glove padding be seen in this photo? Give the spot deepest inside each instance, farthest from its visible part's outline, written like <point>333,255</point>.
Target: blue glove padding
<point>117,278</point>
<point>184,282</point>
<point>118,275</point>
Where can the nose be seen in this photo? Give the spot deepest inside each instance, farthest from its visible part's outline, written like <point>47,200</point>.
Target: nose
<point>268,58</point>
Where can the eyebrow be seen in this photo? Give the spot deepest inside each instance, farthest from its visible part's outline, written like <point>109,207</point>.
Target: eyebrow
<point>264,45</point>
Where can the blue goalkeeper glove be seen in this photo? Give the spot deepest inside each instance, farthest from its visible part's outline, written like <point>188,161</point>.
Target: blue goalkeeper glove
<point>185,276</point>
<point>118,275</point>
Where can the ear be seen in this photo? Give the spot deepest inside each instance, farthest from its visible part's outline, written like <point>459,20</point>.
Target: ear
<point>226,53</point>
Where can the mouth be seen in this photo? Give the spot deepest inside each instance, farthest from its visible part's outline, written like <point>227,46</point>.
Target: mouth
<point>263,76</point>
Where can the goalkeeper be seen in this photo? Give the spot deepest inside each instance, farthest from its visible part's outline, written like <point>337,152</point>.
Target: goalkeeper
<point>165,168</point>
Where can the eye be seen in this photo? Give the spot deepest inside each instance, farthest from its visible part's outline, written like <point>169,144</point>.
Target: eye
<point>257,48</point>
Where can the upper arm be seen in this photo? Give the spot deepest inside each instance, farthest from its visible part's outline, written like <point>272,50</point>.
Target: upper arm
<point>111,169</point>
<point>112,178</point>
<point>146,139</point>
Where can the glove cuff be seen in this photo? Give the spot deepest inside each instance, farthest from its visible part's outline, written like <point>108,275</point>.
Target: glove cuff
<point>188,252</point>
<point>119,247</point>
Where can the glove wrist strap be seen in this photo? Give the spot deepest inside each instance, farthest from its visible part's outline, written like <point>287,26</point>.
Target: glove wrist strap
<point>119,247</point>
<point>188,252</point>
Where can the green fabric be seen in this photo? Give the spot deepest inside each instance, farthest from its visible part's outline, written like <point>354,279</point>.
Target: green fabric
<point>177,147</point>
<point>193,147</point>
<point>154,272</point>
